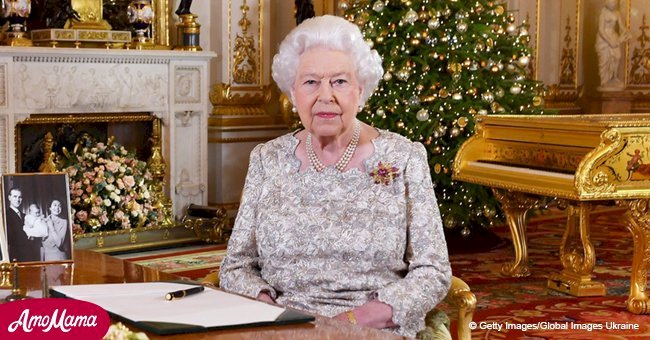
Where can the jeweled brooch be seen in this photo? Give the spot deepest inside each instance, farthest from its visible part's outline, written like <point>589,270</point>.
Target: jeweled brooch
<point>384,173</point>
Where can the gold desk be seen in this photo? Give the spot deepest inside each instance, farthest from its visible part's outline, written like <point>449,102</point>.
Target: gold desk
<point>92,267</point>
<point>582,160</point>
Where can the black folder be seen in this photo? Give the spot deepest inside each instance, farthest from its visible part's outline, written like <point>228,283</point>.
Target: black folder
<point>287,317</point>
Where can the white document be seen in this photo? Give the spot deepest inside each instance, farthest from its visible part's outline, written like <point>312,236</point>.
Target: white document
<point>142,302</point>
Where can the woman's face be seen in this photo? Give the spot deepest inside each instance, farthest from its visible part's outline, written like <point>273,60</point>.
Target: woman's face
<point>55,208</point>
<point>326,92</point>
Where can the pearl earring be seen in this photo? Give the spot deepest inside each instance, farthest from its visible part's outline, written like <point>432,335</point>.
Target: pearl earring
<point>293,109</point>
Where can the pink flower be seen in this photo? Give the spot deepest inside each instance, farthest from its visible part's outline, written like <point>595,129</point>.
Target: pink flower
<point>96,210</point>
<point>112,166</point>
<point>129,181</point>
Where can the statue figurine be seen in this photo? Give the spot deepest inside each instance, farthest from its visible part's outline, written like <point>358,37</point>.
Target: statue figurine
<point>184,7</point>
<point>304,10</point>
<point>609,40</point>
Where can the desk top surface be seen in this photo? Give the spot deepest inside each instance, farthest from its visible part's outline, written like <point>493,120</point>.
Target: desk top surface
<point>93,267</point>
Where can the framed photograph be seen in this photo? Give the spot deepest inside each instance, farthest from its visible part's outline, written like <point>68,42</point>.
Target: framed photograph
<point>36,218</point>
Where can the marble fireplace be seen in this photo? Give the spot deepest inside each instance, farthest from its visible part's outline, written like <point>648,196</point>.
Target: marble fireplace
<point>38,82</point>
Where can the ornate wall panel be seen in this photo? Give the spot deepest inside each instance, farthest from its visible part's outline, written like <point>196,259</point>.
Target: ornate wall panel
<point>188,89</point>
<point>3,85</point>
<point>638,65</point>
<point>56,84</point>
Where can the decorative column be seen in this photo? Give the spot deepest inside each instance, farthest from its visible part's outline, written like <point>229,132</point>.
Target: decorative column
<point>245,103</point>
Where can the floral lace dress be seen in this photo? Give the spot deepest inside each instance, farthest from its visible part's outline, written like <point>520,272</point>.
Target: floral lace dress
<point>326,242</point>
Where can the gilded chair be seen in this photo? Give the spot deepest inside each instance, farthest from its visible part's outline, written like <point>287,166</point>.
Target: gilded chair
<point>459,296</point>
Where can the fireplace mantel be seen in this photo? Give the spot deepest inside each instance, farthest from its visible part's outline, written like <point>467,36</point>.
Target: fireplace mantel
<point>172,85</point>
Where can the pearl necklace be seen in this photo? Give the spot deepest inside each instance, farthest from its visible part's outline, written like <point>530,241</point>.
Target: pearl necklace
<point>345,159</point>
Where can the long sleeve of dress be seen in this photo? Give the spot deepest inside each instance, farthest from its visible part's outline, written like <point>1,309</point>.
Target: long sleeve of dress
<point>429,271</point>
<point>240,271</point>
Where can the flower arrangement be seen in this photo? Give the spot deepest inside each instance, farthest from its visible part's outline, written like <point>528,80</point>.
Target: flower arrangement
<point>110,189</point>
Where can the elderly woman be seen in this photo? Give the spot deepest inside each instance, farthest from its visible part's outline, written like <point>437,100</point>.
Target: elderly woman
<point>339,218</point>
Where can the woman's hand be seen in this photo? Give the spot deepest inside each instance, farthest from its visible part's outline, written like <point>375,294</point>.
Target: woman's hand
<point>373,314</point>
<point>265,297</point>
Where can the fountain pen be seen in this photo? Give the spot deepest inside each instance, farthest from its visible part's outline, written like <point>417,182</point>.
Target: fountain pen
<point>183,293</point>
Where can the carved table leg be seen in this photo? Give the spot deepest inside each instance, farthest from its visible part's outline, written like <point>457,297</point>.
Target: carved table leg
<point>638,219</point>
<point>577,256</point>
<point>515,206</point>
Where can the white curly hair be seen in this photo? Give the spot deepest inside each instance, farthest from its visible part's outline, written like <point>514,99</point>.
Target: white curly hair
<point>334,33</point>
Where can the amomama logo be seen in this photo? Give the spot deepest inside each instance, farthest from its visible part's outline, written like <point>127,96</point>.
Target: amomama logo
<point>52,318</point>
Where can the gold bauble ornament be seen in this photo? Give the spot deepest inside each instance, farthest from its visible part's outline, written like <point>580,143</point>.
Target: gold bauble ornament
<point>388,76</point>
<point>344,5</point>
<point>472,111</point>
<point>499,10</point>
<point>422,115</point>
<point>443,93</point>
<point>380,112</point>
<point>462,121</point>
<point>523,61</point>
<point>411,16</point>
<point>454,67</point>
<point>454,132</point>
<point>433,23</point>
<point>437,168</point>
<point>537,101</point>
<point>515,89</point>
<point>378,6</point>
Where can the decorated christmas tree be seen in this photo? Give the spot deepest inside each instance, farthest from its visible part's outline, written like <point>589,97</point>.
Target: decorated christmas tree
<point>447,62</point>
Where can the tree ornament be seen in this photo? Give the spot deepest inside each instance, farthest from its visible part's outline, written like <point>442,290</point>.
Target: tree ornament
<point>422,115</point>
<point>437,168</point>
<point>462,121</point>
<point>511,29</point>
<point>449,222</point>
<point>403,74</point>
<point>482,112</point>
<point>465,231</point>
<point>414,101</point>
<point>515,89</point>
<point>381,112</point>
<point>454,132</point>
<point>523,61</point>
<point>457,96</point>
<point>537,101</point>
<point>411,16</point>
<point>499,92</point>
<point>378,6</point>
<point>344,5</point>
<point>433,23</point>
<point>388,76</point>
<point>462,26</point>
<point>488,97</point>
